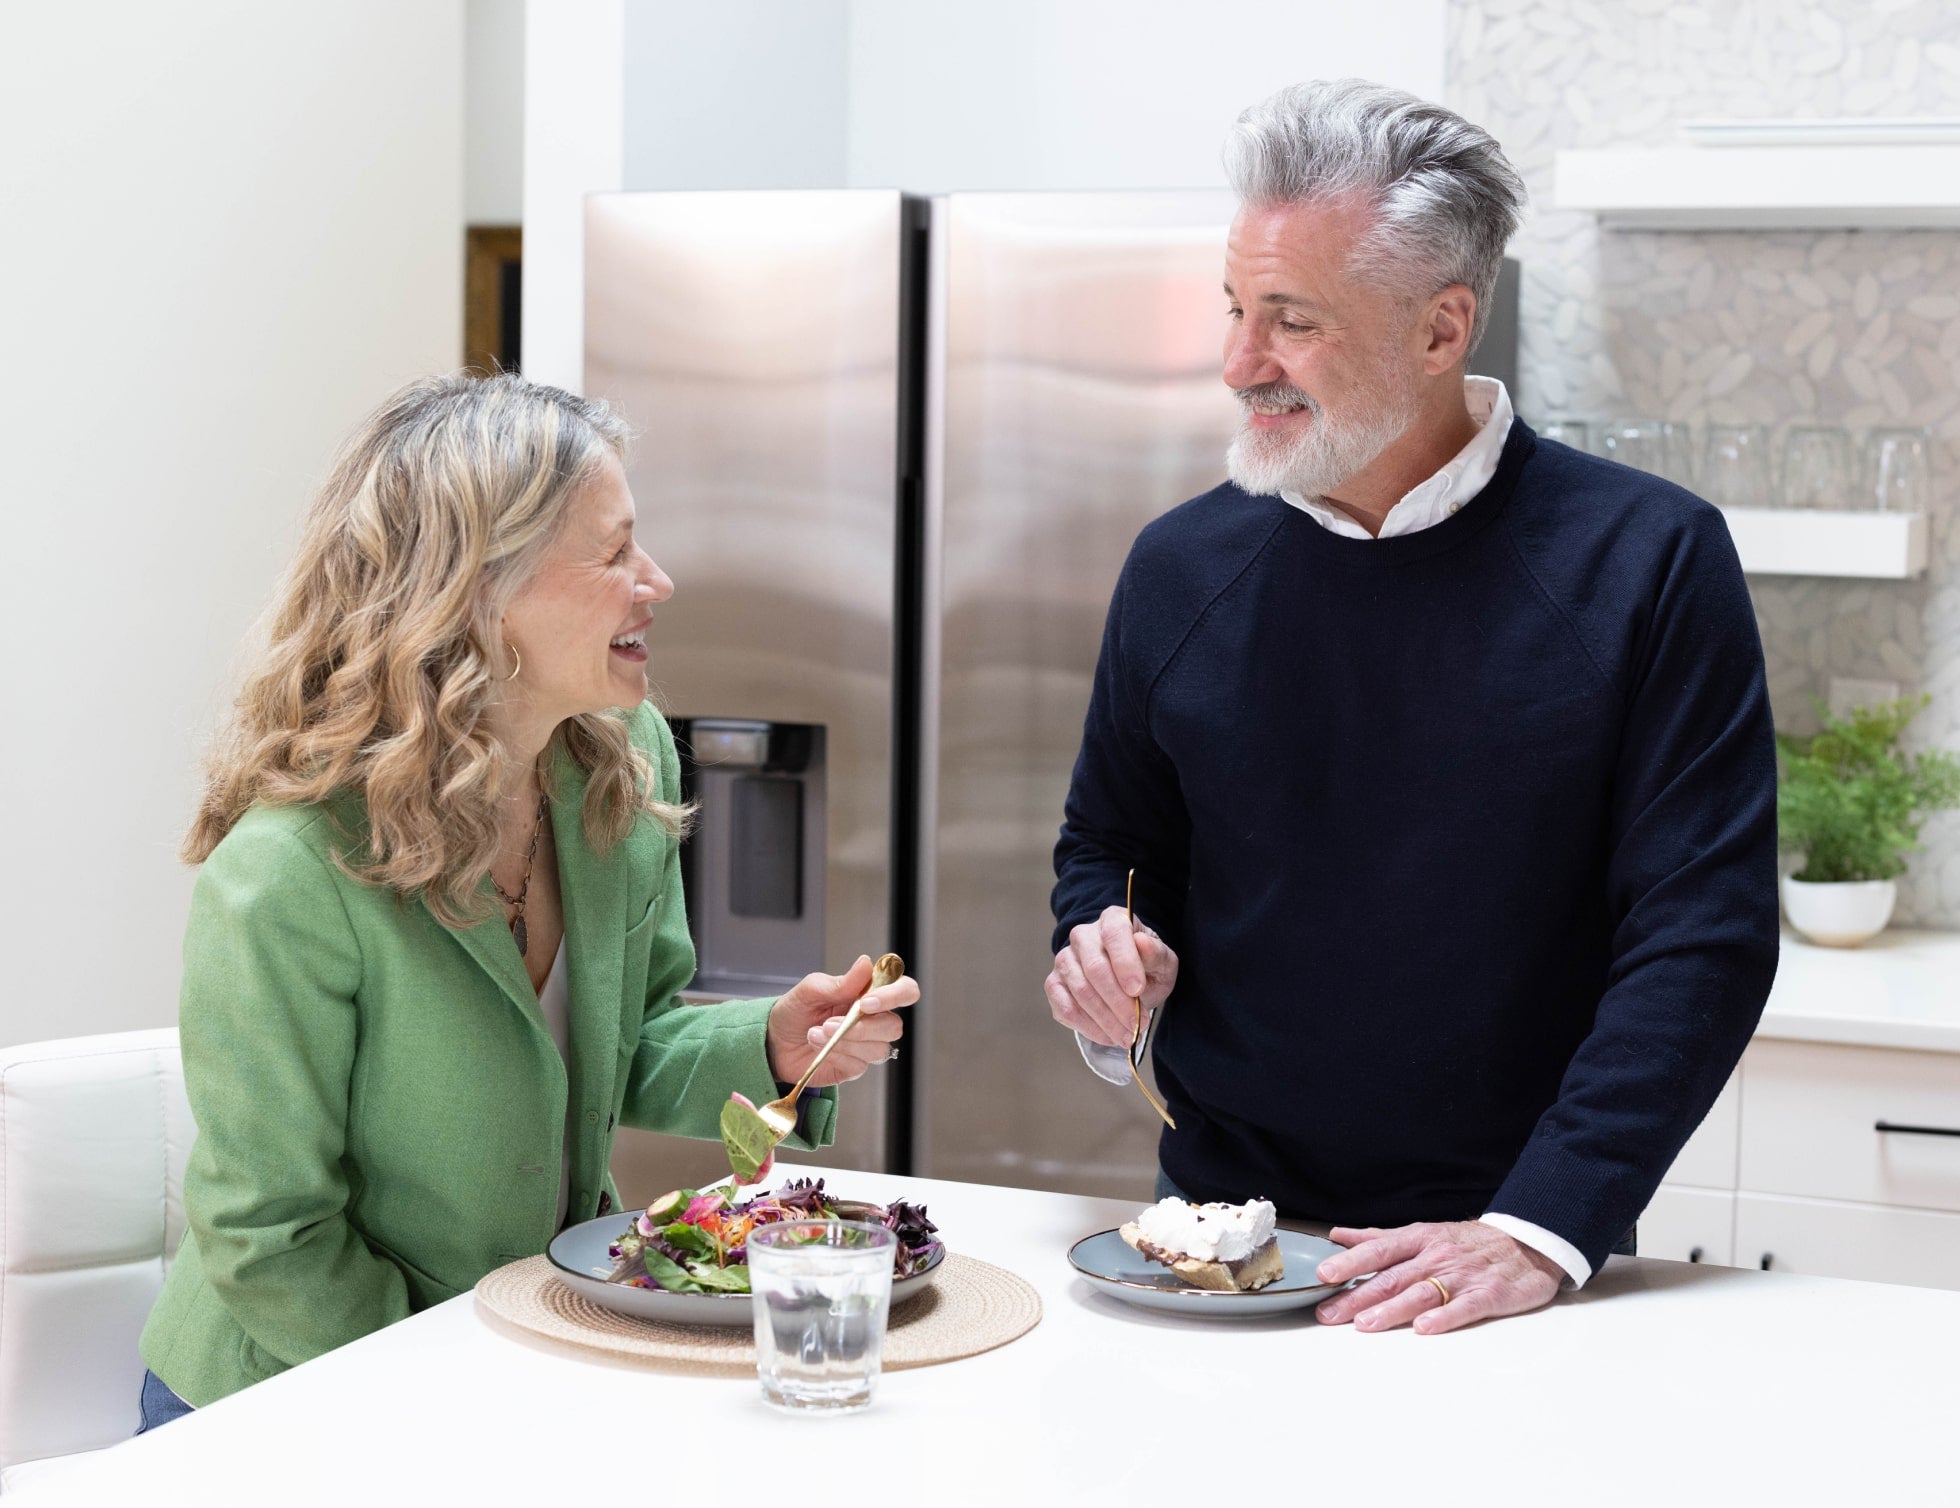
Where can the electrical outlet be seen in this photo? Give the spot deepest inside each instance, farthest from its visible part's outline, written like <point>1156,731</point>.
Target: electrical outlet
<point>1847,693</point>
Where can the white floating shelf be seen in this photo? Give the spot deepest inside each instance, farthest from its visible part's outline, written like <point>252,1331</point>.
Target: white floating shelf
<point>1820,542</point>
<point>1764,188</point>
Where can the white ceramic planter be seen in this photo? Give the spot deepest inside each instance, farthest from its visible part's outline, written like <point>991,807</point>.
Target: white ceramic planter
<point>1840,914</point>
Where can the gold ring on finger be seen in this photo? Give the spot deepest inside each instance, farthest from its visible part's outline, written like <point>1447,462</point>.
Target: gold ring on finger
<point>1437,1284</point>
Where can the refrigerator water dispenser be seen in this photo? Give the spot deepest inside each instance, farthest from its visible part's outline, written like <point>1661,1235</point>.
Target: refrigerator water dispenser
<point>753,869</point>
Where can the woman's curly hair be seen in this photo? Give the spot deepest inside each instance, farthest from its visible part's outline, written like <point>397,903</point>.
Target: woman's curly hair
<point>385,655</point>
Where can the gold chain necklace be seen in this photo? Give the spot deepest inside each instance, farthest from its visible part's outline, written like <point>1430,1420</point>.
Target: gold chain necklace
<point>521,934</point>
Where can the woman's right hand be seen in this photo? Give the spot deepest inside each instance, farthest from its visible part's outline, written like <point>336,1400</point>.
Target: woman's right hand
<point>812,1010</point>
<point>1107,964</point>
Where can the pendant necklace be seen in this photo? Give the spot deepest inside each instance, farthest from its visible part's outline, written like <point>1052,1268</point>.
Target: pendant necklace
<point>520,934</point>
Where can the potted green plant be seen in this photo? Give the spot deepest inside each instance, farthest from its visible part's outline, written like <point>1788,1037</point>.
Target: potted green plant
<point>1851,802</point>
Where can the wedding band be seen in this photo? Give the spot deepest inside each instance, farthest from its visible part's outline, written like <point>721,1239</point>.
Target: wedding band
<point>1437,1284</point>
<point>892,1056</point>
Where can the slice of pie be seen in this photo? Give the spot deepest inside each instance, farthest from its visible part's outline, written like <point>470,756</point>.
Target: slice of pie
<point>1228,1247</point>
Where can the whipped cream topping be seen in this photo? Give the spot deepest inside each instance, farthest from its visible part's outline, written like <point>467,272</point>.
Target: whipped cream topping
<point>1209,1232</point>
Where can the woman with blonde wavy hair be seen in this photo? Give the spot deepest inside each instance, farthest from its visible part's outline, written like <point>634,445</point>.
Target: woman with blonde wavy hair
<point>435,949</point>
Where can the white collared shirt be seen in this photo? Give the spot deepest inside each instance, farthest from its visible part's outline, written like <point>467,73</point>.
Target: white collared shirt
<point>1428,503</point>
<point>1468,472</point>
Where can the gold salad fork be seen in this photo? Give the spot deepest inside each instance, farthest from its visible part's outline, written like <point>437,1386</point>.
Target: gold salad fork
<point>780,1115</point>
<point>1137,1045</point>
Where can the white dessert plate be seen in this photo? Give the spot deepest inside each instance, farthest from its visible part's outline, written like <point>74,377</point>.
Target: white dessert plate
<point>1122,1272</point>
<point>579,1255</point>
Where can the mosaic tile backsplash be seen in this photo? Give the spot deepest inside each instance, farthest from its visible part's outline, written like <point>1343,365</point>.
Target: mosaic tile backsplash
<point>1857,328</point>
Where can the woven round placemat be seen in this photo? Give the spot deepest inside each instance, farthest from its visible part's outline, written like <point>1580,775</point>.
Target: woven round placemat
<point>971,1307</point>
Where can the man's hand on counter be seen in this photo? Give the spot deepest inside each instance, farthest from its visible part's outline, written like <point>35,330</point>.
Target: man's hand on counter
<point>1484,1273</point>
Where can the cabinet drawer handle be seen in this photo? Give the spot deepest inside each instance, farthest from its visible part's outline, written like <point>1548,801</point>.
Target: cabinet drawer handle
<point>1767,1259</point>
<point>1916,1130</point>
<point>1695,1255</point>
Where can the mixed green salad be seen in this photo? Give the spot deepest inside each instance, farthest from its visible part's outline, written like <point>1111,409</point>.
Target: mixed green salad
<point>696,1240</point>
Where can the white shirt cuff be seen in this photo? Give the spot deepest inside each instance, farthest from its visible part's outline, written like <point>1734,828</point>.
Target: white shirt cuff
<point>1545,1244</point>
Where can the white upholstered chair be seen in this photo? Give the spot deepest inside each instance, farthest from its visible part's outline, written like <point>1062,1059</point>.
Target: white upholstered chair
<point>93,1136</point>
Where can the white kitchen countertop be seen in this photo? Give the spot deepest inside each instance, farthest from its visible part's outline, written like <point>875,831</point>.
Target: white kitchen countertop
<point>1660,1383</point>
<point>1901,989</point>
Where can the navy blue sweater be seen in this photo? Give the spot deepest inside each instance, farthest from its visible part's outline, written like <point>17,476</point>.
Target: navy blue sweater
<point>1465,840</point>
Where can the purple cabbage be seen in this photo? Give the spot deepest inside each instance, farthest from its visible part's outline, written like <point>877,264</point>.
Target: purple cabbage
<point>801,1198</point>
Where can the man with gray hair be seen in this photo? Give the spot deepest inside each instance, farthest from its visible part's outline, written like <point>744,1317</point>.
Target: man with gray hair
<point>1442,754</point>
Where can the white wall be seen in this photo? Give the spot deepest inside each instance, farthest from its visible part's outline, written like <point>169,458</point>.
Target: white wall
<point>933,96</point>
<point>574,145</point>
<point>230,229</point>
<point>493,112</point>
<point>752,95</point>
<point>926,95</point>
<point>1099,94</point>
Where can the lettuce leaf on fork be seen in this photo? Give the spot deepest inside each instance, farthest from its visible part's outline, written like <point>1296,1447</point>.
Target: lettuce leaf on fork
<point>746,1137</point>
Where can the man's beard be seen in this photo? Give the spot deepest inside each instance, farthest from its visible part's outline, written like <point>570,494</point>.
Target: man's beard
<point>1327,452</point>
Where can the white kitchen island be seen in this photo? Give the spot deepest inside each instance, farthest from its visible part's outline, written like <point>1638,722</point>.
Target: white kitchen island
<point>1661,1383</point>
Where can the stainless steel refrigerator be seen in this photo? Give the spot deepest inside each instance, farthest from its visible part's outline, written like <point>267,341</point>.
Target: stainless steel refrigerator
<point>893,452</point>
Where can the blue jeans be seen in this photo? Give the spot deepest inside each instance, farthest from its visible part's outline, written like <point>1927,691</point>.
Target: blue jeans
<point>1628,1245</point>
<point>160,1405</point>
<point>1168,1190</point>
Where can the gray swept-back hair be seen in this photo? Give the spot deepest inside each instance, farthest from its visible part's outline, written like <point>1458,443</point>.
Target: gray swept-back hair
<point>1446,201</point>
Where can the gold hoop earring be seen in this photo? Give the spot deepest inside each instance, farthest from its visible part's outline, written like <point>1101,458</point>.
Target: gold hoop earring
<point>515,656</point>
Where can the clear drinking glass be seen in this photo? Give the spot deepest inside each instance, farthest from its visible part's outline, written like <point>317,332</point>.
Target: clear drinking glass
<point>1677,453</point>
<point>1816,467</point>
<point>1897,471</point>
<point>822,1289</point>
<point>1633,442</point>
<point>1735,466</point>
<point>1659,446</point>
<point>1574,432</point>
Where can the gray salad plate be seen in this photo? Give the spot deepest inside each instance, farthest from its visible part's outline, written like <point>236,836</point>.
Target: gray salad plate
<point>579,1255</point>
<point>1109,1262</point>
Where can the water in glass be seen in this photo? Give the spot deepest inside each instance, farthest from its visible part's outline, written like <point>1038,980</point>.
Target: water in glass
<point>822,1289</point>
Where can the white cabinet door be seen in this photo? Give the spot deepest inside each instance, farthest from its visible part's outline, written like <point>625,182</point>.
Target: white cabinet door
<point>1812,1123</point>
<point>1708,1160</point>
<point>1689,1225</point>
<point>1835,1240</point>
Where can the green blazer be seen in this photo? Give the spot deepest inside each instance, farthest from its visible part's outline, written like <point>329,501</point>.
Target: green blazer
<point>381,1112</point>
